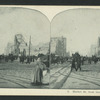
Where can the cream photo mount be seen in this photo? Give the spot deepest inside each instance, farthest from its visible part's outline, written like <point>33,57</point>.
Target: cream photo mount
<point>50,12</point>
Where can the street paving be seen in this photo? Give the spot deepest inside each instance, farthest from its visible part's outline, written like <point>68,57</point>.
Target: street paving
<point>17,75</point>
<point>58,75</point>
<point>87,78</point>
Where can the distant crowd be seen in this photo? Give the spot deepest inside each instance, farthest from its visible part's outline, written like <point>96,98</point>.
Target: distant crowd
<point>76,59</point>
<point>7,58</point>
<point>24,59</point>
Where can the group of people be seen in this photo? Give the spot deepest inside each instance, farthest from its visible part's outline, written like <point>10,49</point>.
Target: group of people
<point>26,59</point>
<point>78,60</point>
<point>58,59</point>
<point>8,58</point>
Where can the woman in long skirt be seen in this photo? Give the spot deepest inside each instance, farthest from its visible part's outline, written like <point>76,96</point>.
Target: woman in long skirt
<point>37,75</point>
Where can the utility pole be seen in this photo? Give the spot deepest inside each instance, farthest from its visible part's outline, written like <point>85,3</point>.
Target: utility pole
<point>50,49</point>
<point>49,53</point>
<point>29,46</point>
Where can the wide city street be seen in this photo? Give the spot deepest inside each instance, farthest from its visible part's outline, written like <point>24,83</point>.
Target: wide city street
<point>88,78</point>
<point>17,75</point>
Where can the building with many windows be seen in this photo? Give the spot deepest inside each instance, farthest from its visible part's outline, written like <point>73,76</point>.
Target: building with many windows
<point>58,46</point>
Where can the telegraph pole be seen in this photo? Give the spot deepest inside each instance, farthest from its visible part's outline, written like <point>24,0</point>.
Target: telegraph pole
<point>50,48</point>
<point>29,47</point>
<point>49,53</point>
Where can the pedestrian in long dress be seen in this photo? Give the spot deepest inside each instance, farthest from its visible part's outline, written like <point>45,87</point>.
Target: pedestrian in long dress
<point>37,74</point>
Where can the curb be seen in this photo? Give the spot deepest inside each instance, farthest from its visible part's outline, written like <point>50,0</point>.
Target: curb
<point>63,78</point>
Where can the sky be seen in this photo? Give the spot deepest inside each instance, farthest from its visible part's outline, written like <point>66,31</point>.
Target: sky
<point>81,27</point>
<point>23,21</point>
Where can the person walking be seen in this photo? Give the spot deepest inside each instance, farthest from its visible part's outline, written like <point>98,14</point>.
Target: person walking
<point>73,65</point>
<point>73,62</point>
<point>37,72</point>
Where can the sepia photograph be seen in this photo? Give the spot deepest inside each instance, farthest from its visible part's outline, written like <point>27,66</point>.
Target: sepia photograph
<point>24,52</point>
<point>50,49</point>
<point>75,49</point>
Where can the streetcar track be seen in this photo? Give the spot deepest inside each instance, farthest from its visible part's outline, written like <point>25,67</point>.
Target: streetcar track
<point>87,76</point>
<point>90,79</point>
<point>5,77</point>
<point>67,74</point>
<point>28,85</point>
<point>15,76</point>
<point>16,79</point>
<point>21,81</point>
<point>13,82</point>
<point>83,76</point>
<point>61,74</point>
<point>85,80</point>
<point>59,70</point>
<point>80,78</point>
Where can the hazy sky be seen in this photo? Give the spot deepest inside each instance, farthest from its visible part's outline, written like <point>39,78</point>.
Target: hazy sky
<point>81,27</point>
<point>23,21</point>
